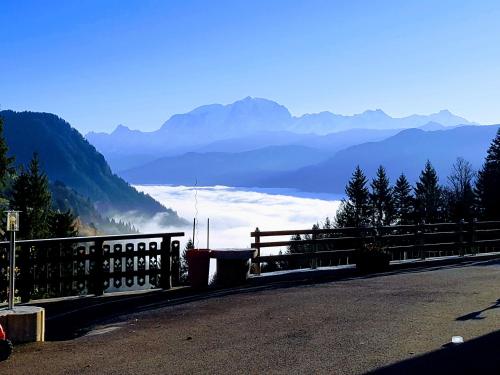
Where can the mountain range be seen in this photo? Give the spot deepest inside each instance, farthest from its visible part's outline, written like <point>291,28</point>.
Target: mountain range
<point>224,168</point>
<point>405,152</point>
<point>241,122</point>
<point>258,143</point>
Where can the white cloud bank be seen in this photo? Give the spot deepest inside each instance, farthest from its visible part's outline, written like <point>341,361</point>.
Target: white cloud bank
<point>234,213</point>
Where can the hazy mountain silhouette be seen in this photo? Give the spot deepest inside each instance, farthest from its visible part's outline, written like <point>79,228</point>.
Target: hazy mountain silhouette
<point>66,156</point>
<point>405,152</point>
<point>125,148</point>
<point>223,168</point>
<point>327,122</point>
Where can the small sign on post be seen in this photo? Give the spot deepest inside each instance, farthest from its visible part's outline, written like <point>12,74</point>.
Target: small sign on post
<point>12,227</point>
<point>12,221</point>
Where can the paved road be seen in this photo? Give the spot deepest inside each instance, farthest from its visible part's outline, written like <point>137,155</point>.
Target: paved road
<point>343,327</point>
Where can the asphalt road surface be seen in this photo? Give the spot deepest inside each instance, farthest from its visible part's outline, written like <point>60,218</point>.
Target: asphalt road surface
<point>402,321</point>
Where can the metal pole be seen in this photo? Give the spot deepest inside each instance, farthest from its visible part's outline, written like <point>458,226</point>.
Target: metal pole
<point>12,271</point>
<point>194,226</point>
<point>208,233</point>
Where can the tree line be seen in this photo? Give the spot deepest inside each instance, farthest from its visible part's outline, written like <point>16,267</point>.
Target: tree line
<point>466,195</point>
<point>27,189</point>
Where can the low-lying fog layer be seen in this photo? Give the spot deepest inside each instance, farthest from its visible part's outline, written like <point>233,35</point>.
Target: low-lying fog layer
<point>235,212</point>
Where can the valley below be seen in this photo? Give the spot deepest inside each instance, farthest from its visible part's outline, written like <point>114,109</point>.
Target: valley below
<point>235,212</point>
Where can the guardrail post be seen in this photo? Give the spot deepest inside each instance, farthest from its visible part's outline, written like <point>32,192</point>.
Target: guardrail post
<point>166,263</point>
<point>461,237</point>
<point>420,239</point>
<point>175,262</point>
<point>473,236</point>
<point>257,245</point>
<point>314,259</point>
<point>26,280</point>
<point>99,271</point>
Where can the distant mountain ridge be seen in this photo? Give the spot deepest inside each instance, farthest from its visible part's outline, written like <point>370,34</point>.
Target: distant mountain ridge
<point>327,122</point>
<point>405,152</point>
<point>287,166</point>
<point>244,118</point>
<point>222,168</point>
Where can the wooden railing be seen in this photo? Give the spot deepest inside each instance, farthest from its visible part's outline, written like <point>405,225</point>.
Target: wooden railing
<point>92,265</point>
<point>330,247</point>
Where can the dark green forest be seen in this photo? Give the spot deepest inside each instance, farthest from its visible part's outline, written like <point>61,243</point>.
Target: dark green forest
<point>66,156</point>
<point>61,183</point>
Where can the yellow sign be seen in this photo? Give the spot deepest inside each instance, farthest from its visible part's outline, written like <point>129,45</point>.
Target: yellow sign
<point>12,221</point>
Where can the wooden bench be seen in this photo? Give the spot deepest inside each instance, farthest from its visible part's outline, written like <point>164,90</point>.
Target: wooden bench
<point>233,265</point>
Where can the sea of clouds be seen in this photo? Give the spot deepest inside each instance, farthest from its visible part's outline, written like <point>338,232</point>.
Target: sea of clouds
<point>235,212</point>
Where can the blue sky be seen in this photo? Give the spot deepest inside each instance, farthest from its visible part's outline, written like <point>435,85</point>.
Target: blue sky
<point>99,63</point>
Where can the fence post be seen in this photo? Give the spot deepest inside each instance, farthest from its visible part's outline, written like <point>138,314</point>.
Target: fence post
<point>166,263</point>
<point>419,239</point>
<point>314,259</point>
<point>257,245</point>
<point>175,263</point>
<point>26,281</point>
<point>98,268</point>
<point>461,237</point>
<point>473,236</point>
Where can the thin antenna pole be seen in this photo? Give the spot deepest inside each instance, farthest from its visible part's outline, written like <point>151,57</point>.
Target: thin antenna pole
<point>208,233</point>
<point>194,226</point>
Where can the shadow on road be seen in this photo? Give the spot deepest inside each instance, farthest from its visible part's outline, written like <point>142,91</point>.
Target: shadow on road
<point>477,356</point>
<point>476,315</point>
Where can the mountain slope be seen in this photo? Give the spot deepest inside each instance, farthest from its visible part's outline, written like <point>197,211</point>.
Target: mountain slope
<point>405,152</point>
<point>220,168</point>
<point>330,143</point>
<point>66,156</point>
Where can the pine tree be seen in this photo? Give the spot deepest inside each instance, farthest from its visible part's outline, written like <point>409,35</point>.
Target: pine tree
<point>355,210</point>
<point>488,182</point>
<point>6,168</point>
<point>428,196</point>
<point>295,247</point>
<point>31,196</point>
<point>183,267</point>
<point>62,224</point>
<point>459,194</point>
<point>403,201</point>
<point>381,199</point>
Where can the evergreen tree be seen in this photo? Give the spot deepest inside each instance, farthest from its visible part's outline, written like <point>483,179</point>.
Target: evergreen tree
<point>295,247</point>
<point>460,198</point>
<point>428,196</point>
<point>488,182</point>
<point>403,201</point>
<point>381,199</point>
<point>183,267</point>
<point>355,210</point>
<point>6,168</point>
<point>62,224</point>
<point>31,196</point>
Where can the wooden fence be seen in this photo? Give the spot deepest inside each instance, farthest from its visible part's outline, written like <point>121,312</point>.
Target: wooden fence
<point>91,265</point>
<point>331,247</point>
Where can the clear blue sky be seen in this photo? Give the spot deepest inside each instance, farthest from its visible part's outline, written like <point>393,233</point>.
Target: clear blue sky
<point>99,63</point>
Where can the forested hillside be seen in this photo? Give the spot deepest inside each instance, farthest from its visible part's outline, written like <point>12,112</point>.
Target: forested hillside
<point>66,156</point>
